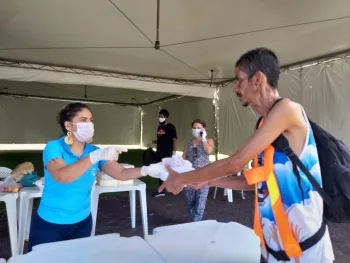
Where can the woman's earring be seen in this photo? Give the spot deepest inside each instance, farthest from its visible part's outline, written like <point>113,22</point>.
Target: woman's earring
<point>68,139</point>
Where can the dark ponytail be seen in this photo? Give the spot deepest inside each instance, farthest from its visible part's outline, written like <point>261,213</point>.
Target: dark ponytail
<point>69,112</point>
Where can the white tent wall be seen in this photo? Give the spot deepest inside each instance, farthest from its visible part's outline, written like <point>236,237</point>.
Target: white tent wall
<point>325,95</point>
<point>182,112</point>
<point>323,90</point>
<point>33,121</point>
<point>236,123</point>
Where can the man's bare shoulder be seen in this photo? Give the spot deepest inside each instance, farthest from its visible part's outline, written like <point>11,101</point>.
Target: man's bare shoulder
<point>288,113</point>
<point>286,105</point>
<point>288,108</point>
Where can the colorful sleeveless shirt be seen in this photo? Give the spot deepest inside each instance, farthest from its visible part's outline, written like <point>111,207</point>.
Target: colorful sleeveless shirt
<point>303,205</point>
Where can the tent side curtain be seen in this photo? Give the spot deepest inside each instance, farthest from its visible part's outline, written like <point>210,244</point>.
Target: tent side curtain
<point>323,90</point>
<point>32,121</point>
<point>104,80</point>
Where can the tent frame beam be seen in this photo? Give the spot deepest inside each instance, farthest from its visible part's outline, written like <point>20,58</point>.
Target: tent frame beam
<point>17,95</point>
<point>102,73</point>
<point>138,105</point>
<point>114,74</point>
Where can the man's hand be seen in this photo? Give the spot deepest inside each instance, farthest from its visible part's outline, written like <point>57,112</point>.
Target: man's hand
<point>173,184</point>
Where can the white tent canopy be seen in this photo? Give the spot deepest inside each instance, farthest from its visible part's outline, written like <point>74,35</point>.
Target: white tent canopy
<point>104,52</point>
<point>195,36</point>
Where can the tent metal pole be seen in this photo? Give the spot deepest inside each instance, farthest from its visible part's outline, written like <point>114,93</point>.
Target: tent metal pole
<point>157,43</point>
<point>216,121</point>
<point>141,129</point>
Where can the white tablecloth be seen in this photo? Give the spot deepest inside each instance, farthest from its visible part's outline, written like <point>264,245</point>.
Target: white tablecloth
<point>206,242</point>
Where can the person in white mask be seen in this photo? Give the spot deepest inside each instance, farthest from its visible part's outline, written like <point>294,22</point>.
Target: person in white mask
<point>197,151</point>
<point>71,164</point>
<point>166,142</point>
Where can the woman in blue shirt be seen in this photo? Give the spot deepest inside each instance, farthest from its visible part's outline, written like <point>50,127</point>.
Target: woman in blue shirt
<point>70,168</point>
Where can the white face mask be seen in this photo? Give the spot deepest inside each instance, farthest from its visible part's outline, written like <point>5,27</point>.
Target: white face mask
<point>161,120</point>
<point>196,132</point>
<point>85,131</point>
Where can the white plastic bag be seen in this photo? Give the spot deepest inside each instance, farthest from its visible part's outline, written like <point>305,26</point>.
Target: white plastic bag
<point>177,163</point>
<point>10,185</point>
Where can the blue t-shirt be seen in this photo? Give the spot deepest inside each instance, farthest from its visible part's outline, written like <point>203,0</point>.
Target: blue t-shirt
<point>67,203</point>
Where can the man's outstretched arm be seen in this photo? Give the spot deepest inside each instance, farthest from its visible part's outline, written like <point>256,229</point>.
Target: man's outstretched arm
<point>274,124</point>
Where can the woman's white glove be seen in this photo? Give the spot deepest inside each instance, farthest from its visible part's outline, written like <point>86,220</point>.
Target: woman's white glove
<point>159,170</point>
<point>204,135</point>
<point>152,170</point>
<point>107,154</point>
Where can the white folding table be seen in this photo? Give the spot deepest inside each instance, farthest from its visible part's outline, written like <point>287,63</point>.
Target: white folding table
<point>98,249</point>
<point>206,242</point>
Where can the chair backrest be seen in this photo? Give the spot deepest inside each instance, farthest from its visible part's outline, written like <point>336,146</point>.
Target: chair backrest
<point>4,172</point>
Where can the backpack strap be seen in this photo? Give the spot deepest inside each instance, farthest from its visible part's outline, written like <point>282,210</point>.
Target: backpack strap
<point>281,144</point>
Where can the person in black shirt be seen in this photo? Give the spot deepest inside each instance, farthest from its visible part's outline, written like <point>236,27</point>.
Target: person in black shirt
<point>166,141</point>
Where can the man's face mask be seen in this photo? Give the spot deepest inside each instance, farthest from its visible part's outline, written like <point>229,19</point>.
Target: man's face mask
<point>161,120</point>
<point>196,132</point>
<point>85,131</point>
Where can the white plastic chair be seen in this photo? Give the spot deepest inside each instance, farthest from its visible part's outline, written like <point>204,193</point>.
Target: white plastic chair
<point>228,192</point>
<point>10,200</point>
<point>26,198</point>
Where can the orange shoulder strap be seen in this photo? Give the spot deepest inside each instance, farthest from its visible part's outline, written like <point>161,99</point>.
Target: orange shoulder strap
<point>266,173</point>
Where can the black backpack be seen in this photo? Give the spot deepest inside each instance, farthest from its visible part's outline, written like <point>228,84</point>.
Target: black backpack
<point>149,156</point>
<point>334,158</point>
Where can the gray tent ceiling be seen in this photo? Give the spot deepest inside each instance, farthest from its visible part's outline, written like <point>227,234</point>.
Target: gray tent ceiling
<point>195,35</point>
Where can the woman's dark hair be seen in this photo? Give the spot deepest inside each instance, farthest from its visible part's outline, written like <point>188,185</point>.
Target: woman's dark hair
<point>69,112</point>
<point>199,121</point>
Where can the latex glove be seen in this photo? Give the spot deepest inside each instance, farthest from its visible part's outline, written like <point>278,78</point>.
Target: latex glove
<point>164,172</point>
<point>152,170</point>
<point>204,135</point>
<point>107,154</point>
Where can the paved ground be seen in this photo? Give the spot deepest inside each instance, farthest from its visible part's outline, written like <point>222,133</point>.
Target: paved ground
<point>114,216</point>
